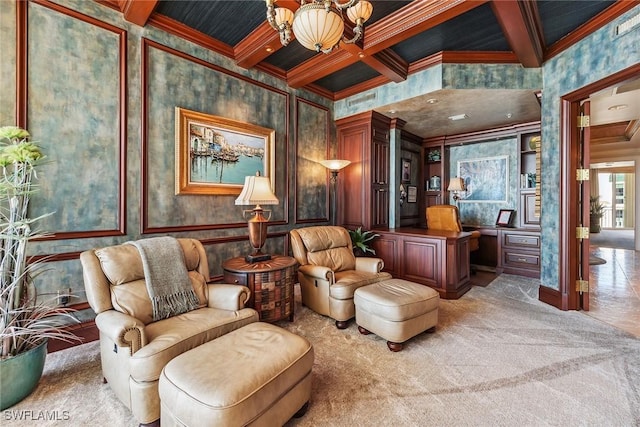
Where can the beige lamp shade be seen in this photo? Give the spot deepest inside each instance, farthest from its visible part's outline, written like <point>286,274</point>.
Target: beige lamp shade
<point>257,191</point>
<point>456,184</point>
<point>283,16</point>
<point>361,10</point>
<point>335,164</point>
<point>317,29</point>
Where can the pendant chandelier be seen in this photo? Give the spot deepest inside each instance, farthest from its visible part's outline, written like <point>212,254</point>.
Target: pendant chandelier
<point>318,24</point>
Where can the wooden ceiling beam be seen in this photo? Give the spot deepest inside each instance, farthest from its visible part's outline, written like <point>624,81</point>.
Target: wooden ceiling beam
<point>416,17</point>
<point>320,66</point>
<point>389,64</point>
<point>258,45</point>
<point>520,23</point>
<point>262,42</point>
<point>137,11</point>
<point>386,62</point>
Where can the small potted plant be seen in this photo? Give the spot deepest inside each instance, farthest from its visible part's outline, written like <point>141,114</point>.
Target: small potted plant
<point>361,241</point>
<point>596,212</point>
<point>26,320</point>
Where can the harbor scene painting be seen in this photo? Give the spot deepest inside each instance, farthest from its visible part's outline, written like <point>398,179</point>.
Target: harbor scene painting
<point>214,154</point>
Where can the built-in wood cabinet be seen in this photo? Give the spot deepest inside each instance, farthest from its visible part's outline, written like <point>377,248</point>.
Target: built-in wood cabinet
<point>363,186</point>
<point>519,252</point>
<point>435,174</point>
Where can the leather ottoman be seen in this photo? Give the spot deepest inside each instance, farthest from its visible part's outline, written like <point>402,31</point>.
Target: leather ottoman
<point>258,375</point>
<point>396,310</point>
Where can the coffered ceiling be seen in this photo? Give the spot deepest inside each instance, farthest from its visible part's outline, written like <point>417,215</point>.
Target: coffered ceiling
<point>400,38</point>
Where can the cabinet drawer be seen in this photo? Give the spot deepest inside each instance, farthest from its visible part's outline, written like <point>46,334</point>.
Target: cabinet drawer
<point>526,260</point>
<point>522,240</point>
<point>233,278</point>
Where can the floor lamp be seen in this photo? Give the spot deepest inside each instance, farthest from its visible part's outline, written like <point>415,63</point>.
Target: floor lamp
<point>334,166</point>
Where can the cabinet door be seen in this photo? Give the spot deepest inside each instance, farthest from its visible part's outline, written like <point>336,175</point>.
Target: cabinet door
<point>380,185</point>
<point>380,163</point>
<point>380,208</point>
<point>528,216</point>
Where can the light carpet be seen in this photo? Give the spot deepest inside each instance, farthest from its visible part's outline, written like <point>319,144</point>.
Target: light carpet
<point>499,357</point>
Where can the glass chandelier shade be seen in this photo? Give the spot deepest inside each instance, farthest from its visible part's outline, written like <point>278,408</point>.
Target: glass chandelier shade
<point>318,24</point>
<point>317,29</point>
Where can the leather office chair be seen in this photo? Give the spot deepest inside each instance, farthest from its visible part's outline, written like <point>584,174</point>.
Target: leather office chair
<point>329,272</point>
<point>133,347</point>
<point>447,217</point>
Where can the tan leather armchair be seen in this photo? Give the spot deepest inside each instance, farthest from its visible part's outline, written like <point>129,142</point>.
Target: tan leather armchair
<point>133,347</point>
<point>329,273</point>
<point>447,217</point>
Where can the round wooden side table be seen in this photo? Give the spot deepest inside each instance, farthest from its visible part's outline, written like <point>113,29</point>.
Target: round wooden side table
<point>271,283</point>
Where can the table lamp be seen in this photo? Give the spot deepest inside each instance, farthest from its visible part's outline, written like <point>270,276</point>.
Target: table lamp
<point>257,190</point>
<point>456,185</point>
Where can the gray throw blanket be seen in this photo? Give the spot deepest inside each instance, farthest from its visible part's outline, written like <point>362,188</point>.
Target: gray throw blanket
<point>166,276</point>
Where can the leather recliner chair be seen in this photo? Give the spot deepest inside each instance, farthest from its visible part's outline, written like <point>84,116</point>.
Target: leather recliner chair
<point>447,217</point>
<point>329,272</point>
<point>133,348</point>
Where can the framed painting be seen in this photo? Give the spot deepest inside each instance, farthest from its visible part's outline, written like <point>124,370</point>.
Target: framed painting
<point>215,154</point>
<point>412,194</point>
<point>406,170</point>
<point>486,179</point>
<point>505,217</point>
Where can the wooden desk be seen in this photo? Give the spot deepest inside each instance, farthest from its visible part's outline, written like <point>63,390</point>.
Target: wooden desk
<point>271,284</point>
<point>508,250</point>
<point>439,259</point>
<point>486,258</point>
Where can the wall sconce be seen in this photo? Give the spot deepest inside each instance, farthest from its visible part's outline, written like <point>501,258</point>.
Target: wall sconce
<point>456,185</point>
<point>403,194</point>
<point>334,165</point>
<point>257,191</point>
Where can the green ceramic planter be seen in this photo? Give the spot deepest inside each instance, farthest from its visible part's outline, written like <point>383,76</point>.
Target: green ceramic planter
<point>19,375</point>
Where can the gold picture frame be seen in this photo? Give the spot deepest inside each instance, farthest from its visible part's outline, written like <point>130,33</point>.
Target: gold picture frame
<point>214,154</point>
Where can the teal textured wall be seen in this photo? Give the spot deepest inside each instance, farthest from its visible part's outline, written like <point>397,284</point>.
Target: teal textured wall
<point>111,145</point>
<point>594,58</point>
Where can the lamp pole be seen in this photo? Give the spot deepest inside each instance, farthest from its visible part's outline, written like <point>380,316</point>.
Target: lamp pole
<point>334,204</point>
<point>334,167</point>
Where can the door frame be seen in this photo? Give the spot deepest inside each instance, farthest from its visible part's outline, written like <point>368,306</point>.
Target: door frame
<point>569,298</point>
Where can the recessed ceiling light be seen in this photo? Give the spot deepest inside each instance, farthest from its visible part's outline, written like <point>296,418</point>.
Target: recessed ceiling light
<point>458,117</point>
<point>431,101</point>
<point>618,107</point>
<point>392,111</point>
<point>508,115</point>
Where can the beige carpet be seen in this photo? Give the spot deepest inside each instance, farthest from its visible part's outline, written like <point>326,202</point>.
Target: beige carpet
<point>498,358</point>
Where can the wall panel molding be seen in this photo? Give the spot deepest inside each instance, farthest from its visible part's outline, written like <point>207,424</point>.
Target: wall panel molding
<point>281,163</point>
<point>311,182</point>
<point>23,96</point>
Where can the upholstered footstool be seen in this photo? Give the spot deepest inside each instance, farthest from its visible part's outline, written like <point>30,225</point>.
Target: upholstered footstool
<point>258,375</point>
<point>396,310</point>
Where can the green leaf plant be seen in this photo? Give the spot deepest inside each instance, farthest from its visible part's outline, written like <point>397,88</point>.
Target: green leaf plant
<point>25,320</point>
<point>361,240</point>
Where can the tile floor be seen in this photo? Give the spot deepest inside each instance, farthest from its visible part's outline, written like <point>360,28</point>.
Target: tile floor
<point>615,289</point>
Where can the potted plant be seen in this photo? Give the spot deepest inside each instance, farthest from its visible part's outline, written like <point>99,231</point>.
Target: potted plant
<point>596,212</point>
<point>26,321</point>
<point>361,241</point>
